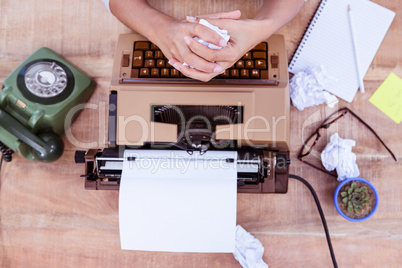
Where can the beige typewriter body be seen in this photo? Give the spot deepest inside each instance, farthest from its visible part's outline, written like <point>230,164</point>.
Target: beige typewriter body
<point>266,106</point>
<point>249,116</point>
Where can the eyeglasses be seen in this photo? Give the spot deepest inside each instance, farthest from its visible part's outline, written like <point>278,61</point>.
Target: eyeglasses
<point>313,139</point>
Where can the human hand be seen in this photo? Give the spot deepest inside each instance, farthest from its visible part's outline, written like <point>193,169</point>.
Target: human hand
<point>170,39</point>
<point>244,35</point>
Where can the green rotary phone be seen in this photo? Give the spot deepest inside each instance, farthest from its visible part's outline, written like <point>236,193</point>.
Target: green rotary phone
<point>34,102</point>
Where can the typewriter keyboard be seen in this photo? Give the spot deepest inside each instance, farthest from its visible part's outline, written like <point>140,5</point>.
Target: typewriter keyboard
<point>148,64</point>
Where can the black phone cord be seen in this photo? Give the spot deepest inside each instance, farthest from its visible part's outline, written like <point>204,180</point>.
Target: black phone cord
<point>324,222</point>
<point>7,152</point>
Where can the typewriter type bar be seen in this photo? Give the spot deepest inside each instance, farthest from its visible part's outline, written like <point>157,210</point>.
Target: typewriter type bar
<point>258,171</point>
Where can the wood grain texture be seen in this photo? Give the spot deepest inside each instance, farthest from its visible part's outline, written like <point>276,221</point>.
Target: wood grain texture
<point>47,219</point>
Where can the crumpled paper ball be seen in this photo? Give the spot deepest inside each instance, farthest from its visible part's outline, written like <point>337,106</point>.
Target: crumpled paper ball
<point>307,88</point>
<point>338,155</point>
<point>248,250</point>
<point>222,33</point>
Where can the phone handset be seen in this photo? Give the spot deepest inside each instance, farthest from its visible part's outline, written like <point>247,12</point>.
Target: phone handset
<point>46,146</point>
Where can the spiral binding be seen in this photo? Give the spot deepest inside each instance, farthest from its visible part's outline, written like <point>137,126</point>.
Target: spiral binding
<point>7,152</point>
<point>307,33</point>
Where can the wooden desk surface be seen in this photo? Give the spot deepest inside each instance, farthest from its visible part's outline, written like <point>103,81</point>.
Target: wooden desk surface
<point>49,220</point>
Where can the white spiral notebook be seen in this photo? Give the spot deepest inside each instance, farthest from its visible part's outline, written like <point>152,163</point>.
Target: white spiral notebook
<point>328,42</point>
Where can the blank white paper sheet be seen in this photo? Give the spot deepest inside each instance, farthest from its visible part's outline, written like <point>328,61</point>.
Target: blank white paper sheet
<point>176,202</point>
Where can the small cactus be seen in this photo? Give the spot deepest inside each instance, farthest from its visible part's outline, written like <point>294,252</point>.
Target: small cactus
<point>355,198</point>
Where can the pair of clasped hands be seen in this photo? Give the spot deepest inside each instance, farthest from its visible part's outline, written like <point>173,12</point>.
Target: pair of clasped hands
<point>178,45</point>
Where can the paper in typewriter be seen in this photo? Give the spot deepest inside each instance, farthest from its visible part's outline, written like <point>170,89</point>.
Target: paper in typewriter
<point>173,201</point>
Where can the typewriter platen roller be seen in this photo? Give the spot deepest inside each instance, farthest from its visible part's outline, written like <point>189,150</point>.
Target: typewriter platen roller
<point>258,171</point>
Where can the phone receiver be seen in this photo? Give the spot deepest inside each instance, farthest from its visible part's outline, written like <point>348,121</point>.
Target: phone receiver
<point>46,147</point>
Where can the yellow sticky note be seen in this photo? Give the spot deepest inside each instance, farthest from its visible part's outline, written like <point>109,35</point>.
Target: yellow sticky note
<point>388,97</point>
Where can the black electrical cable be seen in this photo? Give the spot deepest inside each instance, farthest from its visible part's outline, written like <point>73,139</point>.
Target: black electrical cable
<point>324,222</point>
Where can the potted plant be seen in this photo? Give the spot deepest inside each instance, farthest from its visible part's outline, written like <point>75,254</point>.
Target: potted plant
<point>356,199</point>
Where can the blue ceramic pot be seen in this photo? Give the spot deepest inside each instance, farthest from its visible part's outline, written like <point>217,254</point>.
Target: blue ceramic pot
<point>339,188</point>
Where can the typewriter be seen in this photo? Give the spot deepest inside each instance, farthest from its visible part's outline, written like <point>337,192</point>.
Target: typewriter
<point>152,106</point>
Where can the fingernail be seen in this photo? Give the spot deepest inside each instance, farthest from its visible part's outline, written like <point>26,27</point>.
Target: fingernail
<point>191,18</point>
<point>176,66</point>
<point>222,43</point>
<point>187,40</point>
<point>218,69</point>
<point>170,62</point>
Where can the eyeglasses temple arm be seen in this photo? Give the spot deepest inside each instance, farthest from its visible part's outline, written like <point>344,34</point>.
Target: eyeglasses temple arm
<point>375,134</point>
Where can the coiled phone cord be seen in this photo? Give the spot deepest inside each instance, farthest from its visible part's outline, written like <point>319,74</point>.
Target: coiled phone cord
<point>7,152</point>
<point>324,222</point>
